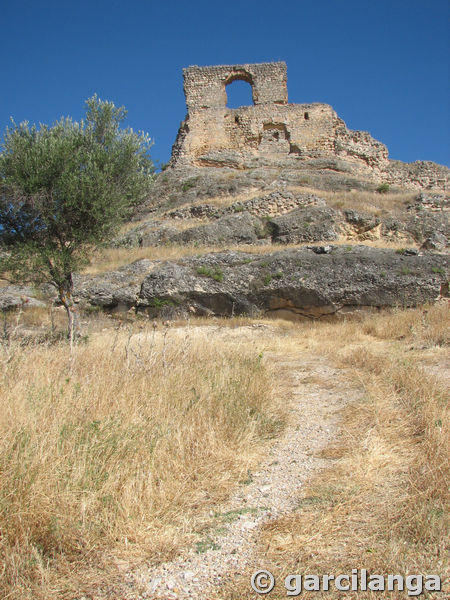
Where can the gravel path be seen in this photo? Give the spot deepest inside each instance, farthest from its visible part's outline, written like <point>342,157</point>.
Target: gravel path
<point>273,490</point>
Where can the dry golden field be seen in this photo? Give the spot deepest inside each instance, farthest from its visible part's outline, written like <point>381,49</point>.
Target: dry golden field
<point>115,455</point>
<point>384,504</point>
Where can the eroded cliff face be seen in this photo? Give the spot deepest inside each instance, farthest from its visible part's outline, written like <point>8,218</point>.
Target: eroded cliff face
<point>274,131</point>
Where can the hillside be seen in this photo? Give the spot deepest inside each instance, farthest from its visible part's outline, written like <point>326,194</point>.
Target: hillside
<point>261,178</point>
<point>260,379</point>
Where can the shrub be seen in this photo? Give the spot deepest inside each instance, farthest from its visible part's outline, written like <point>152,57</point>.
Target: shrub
<point>383,188</point>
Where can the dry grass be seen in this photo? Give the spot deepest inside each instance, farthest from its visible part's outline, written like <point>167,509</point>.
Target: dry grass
<point>110,259</point>
<point>228,200</point>
<point>384,503</point>
<point>117,454</point>
<point>371,202</point>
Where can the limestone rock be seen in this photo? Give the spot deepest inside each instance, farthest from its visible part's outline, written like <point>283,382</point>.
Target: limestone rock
<point>150,233</point>
<point>299,281</point>
<point>436,241</point>
<point>240,228</point>
<point>15,296</point>
<point>360,221</point>
<point>115,289</point>
<point>305,225</point>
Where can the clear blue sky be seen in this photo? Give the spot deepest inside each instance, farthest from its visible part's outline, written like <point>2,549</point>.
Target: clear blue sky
<point>382,64</point>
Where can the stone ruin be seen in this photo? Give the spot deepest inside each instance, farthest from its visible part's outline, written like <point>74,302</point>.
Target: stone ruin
<point>292,135</point>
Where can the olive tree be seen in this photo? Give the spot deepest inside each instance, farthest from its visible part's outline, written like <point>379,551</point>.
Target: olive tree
<point>64,190</point>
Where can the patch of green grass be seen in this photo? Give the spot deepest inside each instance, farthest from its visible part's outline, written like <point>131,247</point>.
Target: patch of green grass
<point>383,188</point>
<point>91,309</point>
<point>159,302</point>
<point>405,271</point>
<point>267,279</point>
<point>205,545</point>
<point>190,183</point>
<point>327,495</point>
<point>215,273</point>
<point>248,480</point>
<point>311,501</point>
<point>439,270</point>
<point>232,515</point>
<point>279,275</point>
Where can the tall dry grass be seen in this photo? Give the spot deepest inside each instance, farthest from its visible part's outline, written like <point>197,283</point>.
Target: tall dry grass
<point>383,504</point>
<point>110,259</point>
<point>360,200</point>
<point>117,453</point>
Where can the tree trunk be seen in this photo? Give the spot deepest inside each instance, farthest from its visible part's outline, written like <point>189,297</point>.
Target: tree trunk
<point>66,297</point>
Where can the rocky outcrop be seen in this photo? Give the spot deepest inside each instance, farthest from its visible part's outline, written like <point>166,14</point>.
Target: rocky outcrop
<point>311,281</point>
<point>305,225</point>
<point>272,204</point>
<point>115,290</point>
<point>274,218</point>
<point>230,229</point>
<point>18,296</point>
<point>307,281</point>
<point>150,233</point>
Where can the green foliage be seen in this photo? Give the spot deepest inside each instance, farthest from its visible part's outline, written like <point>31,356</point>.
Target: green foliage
<point>383,188</point>
<point>215,273</point>
<point>232,515</point>
<point>205,545</point>
<point>190,183</point>
<point>65,189</point>
<point>270,276</point>
<point>439,270</point>
<point>248,480</point>
<point>160,303</point>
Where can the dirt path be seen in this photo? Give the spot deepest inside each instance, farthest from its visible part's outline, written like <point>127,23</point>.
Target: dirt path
<point>319,392</point>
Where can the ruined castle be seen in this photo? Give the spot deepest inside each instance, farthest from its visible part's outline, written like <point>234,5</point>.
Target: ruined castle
<point>292,135</point>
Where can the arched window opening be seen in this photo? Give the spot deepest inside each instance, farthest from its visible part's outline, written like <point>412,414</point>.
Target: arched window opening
<point>306,116</point>
<point>239,93</point>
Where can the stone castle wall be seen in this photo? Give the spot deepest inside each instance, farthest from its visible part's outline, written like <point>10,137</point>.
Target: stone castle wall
<point>204,87</point>
<point>214,135</point>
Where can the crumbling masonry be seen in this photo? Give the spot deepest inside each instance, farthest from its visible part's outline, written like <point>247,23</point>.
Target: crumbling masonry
<point>214,135</point>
